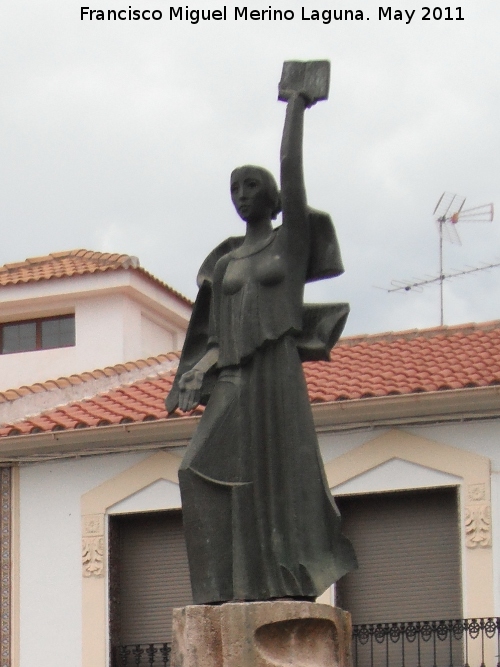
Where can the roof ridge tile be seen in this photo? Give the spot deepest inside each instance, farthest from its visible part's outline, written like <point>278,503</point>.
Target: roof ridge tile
<point>445,331</point>
<point>43,396</point>
<point>68,263</point>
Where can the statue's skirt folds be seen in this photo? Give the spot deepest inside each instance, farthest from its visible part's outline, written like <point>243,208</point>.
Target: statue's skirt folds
<point>260,521</point>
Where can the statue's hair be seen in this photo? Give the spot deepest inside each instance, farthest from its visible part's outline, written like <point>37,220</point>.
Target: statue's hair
<point>270,185</point>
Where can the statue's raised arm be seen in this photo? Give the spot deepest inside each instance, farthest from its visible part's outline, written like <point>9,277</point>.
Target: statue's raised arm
<point>259,520</point>
<point>302,85</point>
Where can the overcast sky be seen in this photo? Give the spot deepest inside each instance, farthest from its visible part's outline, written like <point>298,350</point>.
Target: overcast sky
<point>120,136</point>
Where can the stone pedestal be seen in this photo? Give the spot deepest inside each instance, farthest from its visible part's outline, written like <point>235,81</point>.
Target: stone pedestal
<point>261,634</point>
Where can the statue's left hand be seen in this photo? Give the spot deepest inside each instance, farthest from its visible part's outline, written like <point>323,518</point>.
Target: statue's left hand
<point>190,389</point>
<point>289,95</point>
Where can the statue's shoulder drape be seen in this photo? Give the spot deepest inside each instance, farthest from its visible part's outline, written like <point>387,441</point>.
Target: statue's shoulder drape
<point>322,324</point>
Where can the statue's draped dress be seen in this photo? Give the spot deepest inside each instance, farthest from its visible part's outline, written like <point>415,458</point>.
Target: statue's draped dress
<point>259,519</point>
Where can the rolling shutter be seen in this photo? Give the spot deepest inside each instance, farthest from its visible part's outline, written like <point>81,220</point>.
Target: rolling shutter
<point>153,575</point>
<point>408,548</point>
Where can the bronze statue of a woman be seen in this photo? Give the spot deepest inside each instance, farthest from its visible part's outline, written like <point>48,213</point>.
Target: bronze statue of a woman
<point>259,519</point>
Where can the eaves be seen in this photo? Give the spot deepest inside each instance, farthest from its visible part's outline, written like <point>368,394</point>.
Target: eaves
<point>457,405</point>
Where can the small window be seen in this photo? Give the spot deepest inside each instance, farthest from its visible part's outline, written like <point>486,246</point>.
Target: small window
<point>19,337</point>
<point>58,332</point>
<point>40,334</point>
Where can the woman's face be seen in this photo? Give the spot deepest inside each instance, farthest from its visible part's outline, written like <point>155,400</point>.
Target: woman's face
<point>250,194</point>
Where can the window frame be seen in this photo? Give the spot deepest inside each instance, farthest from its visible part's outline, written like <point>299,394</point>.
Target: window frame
<point>38,321</point>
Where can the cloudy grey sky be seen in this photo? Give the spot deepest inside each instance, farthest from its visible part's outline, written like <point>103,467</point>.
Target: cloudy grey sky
<point>120,136</point>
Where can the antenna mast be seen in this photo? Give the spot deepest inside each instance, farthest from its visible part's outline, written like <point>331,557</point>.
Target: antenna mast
<point>450,211</point>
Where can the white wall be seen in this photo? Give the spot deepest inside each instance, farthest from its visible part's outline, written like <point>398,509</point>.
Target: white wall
<point>119,318</point>
<point>481,437</point>
<point>50,530</point>
<point>160,495</point>
<point>50,550</point>
<point>100,334</point>
<point>26,368</point>
<point>395,475</point>
<point>156,338</point>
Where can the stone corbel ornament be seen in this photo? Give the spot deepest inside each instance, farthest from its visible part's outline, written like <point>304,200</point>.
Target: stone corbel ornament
<point>478,526</point>
<point>477,517</point>
<point>5,565</point>
<point>93,545</point>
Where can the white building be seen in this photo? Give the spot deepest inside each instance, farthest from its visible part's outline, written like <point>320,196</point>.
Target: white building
<point>71,312</point>
<point>92,541</point>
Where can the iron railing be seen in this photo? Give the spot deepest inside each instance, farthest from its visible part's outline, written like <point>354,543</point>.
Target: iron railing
<point>142,655</point>
<point>469,642</point>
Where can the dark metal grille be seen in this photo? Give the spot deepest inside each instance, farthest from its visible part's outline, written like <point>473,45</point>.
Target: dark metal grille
<point>470,642</point>
<point>142,655</point>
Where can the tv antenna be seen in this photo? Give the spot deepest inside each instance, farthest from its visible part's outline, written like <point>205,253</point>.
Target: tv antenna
<point>448,212</point>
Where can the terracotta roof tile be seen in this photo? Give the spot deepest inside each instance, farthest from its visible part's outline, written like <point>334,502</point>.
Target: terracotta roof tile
<point>81,378</point>
<point>437,359</point>
<point>75,263</point>
<point>408,362</point>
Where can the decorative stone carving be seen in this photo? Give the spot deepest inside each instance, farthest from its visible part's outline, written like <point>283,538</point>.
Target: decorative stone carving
<point>93,545</point>
<point>478,526</point>
<point>93,556</point>
<point>5,565</point>
<point>93,524</point>
<point>477,492</point>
